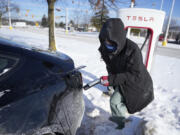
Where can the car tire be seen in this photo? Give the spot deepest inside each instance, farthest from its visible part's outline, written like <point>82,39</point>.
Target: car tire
<point>65,109</point>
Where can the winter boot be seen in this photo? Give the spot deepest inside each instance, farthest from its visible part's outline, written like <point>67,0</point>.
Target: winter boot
<point>120,121</point>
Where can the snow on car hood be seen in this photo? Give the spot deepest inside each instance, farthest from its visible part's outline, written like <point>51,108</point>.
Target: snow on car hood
<point>55,54</point>
<point>31,48</point>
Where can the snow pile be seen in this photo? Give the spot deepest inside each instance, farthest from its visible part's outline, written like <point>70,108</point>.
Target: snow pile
<point>161,117</point>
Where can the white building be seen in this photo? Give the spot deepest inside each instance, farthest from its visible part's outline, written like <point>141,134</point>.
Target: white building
<point>19,24</point>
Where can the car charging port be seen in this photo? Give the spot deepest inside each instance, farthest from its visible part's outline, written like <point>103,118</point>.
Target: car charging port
<point>74,80</point>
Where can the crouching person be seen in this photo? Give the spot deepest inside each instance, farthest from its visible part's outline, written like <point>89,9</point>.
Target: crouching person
<point>131,82</point>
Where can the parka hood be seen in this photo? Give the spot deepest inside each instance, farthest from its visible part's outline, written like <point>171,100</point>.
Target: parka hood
<point>113,30</point>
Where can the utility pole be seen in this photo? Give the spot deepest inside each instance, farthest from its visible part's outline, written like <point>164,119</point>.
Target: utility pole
<point>129,29</point>
<point>66,20</point>
<point>162,1</point>
<point>9,12</point>
<point>167,29</point>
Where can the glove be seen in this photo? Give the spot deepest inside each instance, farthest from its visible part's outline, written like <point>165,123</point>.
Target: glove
<point>104,80</point>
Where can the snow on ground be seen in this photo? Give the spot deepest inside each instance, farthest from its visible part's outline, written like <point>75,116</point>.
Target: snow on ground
<point>161,117</point>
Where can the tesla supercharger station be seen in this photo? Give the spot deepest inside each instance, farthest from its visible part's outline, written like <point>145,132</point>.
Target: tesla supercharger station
<point>150,20</point>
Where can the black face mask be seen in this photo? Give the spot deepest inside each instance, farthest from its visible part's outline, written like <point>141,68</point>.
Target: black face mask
<point>107,54</point>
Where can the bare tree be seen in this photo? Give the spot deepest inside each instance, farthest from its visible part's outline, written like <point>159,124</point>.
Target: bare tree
<point>4,8</point>
<point>77,16</point>
<point>113,4</point>
<point>173,22</point>
<point>86,19</point>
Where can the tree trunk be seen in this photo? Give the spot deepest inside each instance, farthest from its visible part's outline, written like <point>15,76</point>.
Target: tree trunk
<point>102,14</point>
<point>0,20</point>
<point>52,45</point>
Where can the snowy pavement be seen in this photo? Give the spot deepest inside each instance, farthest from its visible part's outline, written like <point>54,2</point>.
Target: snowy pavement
<point>161,117</point>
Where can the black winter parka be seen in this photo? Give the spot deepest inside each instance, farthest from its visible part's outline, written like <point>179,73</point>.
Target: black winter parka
<point>125,66</point>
